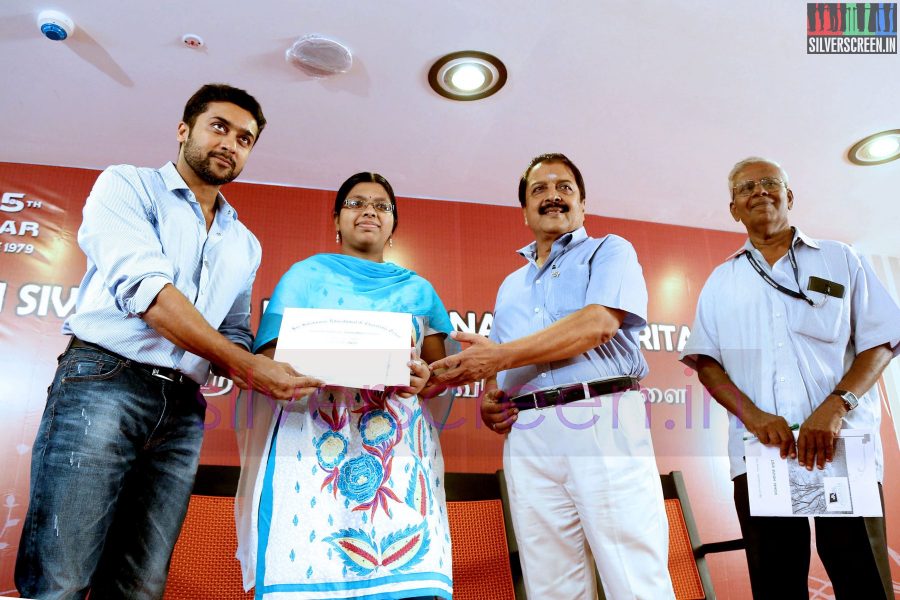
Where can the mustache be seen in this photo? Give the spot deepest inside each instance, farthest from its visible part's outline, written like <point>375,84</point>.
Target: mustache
<point>546,206</point>
<point>224,157</point>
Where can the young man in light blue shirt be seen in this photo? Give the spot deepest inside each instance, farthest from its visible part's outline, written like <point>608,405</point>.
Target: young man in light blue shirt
<point>166,293</point>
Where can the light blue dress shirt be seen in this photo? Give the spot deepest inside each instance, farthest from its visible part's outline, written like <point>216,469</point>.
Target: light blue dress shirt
<point>142,229</point>
<point>579,271</point>
<point>784,354</point>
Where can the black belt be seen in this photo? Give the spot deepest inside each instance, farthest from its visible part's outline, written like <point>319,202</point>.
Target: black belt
<point>170,375</point>
<point>570,393</point>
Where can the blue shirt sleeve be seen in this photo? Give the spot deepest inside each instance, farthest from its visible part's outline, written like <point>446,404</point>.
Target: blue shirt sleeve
<point>617,281</point>
<point>120,239</point>
<point>704,337</point>
<point>236,325</point>
<point>874,316</point>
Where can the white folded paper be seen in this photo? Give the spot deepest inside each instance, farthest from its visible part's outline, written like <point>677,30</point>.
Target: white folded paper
<point>846,487</point>
<point>351,348</point>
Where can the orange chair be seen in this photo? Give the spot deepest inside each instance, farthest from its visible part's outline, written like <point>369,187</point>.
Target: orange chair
<point>203,564</point>
<point>481,559</point>
<point>687,554</point>
<point>485,553</point>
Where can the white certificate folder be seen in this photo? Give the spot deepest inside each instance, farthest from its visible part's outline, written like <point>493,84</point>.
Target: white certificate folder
<point>350,348</point>
<point>846,487</point>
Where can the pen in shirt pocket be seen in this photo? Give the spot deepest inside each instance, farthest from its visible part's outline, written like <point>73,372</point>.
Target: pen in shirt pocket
<point>750,436</point>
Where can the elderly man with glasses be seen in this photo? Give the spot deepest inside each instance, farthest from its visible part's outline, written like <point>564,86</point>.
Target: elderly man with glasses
<point>793,330</point>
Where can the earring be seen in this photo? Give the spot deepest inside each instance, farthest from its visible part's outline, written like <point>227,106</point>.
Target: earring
<point>337,237</point>
<point>391,241</point>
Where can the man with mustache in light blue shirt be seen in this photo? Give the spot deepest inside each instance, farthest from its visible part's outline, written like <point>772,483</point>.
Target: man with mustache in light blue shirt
<point>579,464</point>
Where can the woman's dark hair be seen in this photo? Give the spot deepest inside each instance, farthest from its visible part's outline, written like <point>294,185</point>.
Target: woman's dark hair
<point>364,177</point>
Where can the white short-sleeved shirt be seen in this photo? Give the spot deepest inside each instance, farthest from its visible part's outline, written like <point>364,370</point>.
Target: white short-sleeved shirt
<point>784,354</point>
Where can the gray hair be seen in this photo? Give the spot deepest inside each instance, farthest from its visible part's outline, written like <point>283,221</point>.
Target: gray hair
<point>753,160</point>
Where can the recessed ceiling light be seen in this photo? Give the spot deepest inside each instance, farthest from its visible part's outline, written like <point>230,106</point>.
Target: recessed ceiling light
<point>876,149</point>
<point>469,75</point>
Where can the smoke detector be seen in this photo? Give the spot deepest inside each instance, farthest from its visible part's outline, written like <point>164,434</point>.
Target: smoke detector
<point>55,25</point>
<point>319,56</point>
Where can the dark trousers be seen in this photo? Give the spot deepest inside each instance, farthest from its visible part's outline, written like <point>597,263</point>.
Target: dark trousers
<point>853,551</point>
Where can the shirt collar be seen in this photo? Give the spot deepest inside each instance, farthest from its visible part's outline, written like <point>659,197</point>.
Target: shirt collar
<point>799,236</point>
<point>564,241</point>
<point>174,182</point>
<point>802,237</point>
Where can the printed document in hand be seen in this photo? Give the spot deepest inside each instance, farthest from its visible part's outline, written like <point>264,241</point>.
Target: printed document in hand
<point>351,348</point>
<point>846,487</point>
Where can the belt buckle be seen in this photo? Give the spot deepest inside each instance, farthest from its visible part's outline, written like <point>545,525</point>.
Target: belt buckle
<point>158,373</point>
<point>554,394</point>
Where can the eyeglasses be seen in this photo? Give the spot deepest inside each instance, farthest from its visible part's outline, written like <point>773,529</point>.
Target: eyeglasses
<point>745,188</point>
<point>354,204</point>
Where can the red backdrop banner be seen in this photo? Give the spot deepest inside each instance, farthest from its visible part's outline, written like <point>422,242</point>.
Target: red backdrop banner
<point>464,249</point>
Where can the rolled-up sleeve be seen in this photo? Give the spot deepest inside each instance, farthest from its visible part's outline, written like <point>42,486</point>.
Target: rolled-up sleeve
<point>236,325</point>
<point>120,238</point>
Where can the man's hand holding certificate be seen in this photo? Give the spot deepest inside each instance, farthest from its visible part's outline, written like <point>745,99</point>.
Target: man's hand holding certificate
<point>350,348</point>
<point>845,487</point>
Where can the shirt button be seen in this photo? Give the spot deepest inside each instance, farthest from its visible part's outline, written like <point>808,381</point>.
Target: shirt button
<point>781,379</point>
<point>537,310</point>
<point>778,315</point>
<point>543,374</point>
<point>780,344</point>
<point>537,280</point>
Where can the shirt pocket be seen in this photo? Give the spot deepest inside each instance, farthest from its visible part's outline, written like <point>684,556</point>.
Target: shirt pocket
<point>822,321</point>
<point>567,289</point>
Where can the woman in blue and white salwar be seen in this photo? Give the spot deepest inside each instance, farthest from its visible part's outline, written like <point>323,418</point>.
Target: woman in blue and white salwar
<point>347,498</point>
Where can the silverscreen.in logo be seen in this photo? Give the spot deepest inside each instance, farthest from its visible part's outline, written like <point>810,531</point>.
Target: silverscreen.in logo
<point>851,28</point>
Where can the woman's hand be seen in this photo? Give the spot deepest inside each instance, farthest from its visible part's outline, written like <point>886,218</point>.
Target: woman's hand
<point>419,373</point>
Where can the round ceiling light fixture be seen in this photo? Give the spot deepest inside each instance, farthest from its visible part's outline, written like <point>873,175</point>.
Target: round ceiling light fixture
<point>876,149</point>
<point>319,56</point>
<point>468,75</point>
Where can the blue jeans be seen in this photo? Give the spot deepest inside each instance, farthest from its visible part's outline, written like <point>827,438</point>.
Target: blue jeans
<point>111,475</point>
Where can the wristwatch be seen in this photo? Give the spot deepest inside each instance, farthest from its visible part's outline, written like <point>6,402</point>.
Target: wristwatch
<point>849,398</point>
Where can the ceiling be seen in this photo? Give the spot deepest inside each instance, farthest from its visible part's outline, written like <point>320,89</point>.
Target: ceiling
<point>654,100</point>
